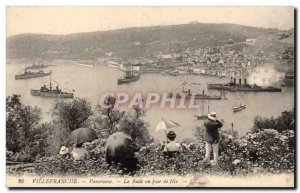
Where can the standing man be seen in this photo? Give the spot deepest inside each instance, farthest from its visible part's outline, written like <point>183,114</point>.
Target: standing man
<point>211,137</point>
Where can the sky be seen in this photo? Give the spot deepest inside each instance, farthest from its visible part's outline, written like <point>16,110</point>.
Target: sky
<point>67,20</point>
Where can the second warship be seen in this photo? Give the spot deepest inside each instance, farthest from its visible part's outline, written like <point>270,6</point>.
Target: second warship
<point>234,87</point>
<point>188,94</point>
<point>32,74</point>
<point>129,77</point>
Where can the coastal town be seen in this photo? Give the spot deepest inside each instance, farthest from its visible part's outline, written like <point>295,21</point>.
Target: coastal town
<point>231,59</point>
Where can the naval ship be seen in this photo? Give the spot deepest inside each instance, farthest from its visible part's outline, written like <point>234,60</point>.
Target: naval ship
<point>234,87</point>
<point>188,94</point>
<point>31,74</point>
<point>129,77</point>
<point>45,91</point>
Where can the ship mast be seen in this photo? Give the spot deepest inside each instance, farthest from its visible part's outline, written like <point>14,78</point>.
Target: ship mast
<point>202,107</point>
<point>50,83</point>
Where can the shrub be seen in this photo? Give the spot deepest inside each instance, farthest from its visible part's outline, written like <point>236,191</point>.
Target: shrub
<point>24,136</point>
<point>111,120</point>
<point>72,114</point>
<point>286,121</point>
<point>274,150</point>
<point>274,155</point>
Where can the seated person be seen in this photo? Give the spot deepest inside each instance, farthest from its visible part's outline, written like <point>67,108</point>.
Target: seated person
<point>79,153</point>
<point>171,148</point>
<point>64,152</point>
<point>120,148</point>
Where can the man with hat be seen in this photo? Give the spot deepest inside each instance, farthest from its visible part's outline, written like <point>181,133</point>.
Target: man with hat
<point>172,147</point>
<point>211,137</point>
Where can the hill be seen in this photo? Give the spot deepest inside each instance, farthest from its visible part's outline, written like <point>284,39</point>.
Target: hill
<point>131,42</point>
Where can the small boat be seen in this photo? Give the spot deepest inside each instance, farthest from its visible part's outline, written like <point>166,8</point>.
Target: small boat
<point>170,73</point>
<point>113,65</point>
<point>164,74</point>
<point>45,91</point>
<point>31,74</point>
<point>173,73</point>
<point>129,77</point>
<point>86,65</point>
<point>238,106</point>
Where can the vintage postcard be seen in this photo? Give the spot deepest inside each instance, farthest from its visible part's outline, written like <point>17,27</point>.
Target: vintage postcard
<point>150,97</point>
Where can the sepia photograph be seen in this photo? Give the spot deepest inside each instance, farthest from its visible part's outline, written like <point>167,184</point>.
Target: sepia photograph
<point>150,97</point>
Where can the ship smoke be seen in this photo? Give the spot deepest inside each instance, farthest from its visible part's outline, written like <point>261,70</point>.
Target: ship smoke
<point>265,75</point>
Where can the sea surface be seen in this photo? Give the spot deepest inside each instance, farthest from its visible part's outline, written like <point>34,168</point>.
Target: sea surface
<point>92,83</point>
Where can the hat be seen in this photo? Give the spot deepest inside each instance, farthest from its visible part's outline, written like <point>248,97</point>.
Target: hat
<point>63,150</point>
<point>171,135</point>
<point>212,116</point>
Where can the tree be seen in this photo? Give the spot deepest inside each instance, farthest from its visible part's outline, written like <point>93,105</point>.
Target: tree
<point>136,127</point>
<point>56,137</point>
<point>111,120</point>
<point>282,123</point>
<point>286,121</point>
<point>109,116</point>
<point>24,135</point>
<point>73,114</point>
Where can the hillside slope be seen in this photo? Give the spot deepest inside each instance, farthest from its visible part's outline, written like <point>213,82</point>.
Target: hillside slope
<point>130,42</point>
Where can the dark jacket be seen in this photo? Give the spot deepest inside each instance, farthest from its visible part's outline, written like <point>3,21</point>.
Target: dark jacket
<point>212,131</point>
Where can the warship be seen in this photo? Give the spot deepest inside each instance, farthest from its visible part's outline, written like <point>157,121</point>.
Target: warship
<point>32,74</point>
<point>234,87</point>
<point>188,94</point>
<point>45,91</point>
<point>129,77</point>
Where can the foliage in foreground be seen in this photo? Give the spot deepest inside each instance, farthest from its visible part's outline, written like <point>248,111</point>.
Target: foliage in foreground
<point>286,121</point>
<point>28,139</point>
<point>25,137</point>
<point>73,114</point>
<point>268,150</point>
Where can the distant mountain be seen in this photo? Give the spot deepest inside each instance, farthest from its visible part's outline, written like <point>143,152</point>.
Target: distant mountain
<point>131,42</point>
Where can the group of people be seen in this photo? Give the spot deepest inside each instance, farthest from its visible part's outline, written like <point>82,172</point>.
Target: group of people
<point>211,138</point>
<point>114,153</point>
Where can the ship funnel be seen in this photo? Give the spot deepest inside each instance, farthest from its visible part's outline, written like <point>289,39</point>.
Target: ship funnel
<point>230,79</point>
<point>203,92</point>
<point>245,81</point>
<point>240,81</point>
<point>234,80</point>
